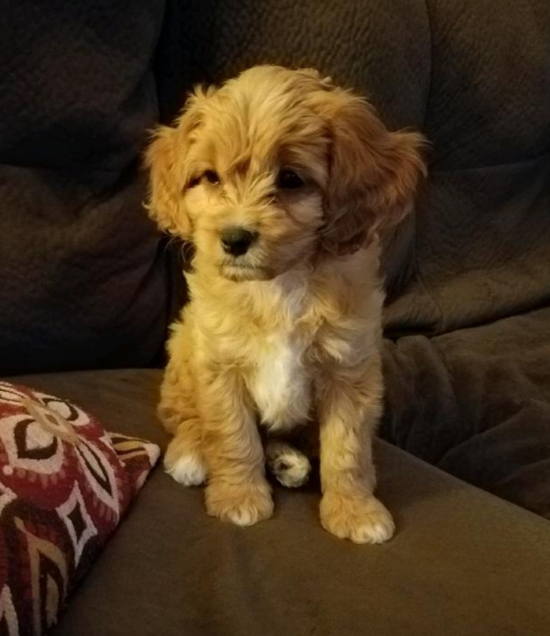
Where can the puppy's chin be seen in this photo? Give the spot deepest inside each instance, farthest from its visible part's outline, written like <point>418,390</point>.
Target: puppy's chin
<point>245,271</point>
<point>240,273</point>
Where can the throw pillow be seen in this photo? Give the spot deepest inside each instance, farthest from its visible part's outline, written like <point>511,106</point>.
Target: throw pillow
<point>65,484</point>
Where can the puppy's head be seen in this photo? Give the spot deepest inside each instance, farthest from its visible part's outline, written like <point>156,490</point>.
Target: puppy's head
<point>276,166</point>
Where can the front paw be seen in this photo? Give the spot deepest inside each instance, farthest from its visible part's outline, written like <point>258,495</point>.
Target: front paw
<point>243,505</point>
<point>360,518</point>
<point>186,468</point>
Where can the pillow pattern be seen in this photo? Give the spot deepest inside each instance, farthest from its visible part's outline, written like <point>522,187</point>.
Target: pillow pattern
<point>65,484</point>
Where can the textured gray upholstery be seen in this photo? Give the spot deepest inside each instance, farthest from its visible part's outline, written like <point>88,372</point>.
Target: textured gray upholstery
<point>83,281</point>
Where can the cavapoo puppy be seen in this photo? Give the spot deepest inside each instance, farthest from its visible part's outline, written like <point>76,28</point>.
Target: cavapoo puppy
<point>282,182</point>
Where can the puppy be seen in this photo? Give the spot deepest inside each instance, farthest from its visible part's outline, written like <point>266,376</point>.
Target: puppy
<point>282,182</point>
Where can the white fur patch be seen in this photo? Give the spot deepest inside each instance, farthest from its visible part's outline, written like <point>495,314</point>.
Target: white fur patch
<point>242,517</point>
<point>378,531</point>
<point>289,465</point>
<point>292,470</point>
<point>279,384</point>
<point>187,470</point>
<point>279,381</point>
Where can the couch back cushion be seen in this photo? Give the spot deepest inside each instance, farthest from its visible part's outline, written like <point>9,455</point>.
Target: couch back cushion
<point>476,81</point>
<point>82,277</point>
<point>483,224</point>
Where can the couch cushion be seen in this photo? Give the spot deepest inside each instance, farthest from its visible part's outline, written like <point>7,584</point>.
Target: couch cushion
<point>482,229</point>
<point>462,562</point>
<point>83,274</point>
<point>476,402</point>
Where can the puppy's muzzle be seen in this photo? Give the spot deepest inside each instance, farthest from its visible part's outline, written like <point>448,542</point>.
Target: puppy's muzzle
<point>236,241</point>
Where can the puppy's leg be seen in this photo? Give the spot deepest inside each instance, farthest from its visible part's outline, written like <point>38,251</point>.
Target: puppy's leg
<point>288,465</point>
<point>237,489</point>
<point>184,458</point>
<point>349,410</point>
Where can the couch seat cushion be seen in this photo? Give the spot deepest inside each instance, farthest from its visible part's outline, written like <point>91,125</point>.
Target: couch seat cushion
<point>463,562</point>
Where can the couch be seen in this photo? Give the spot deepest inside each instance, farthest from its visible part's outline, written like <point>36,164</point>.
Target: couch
<point>88,288</point>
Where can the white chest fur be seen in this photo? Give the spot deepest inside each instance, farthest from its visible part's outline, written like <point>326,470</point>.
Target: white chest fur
<point>279,378</point>
<point>280,383</point>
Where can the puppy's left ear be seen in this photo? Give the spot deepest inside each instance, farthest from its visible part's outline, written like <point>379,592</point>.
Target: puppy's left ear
<point>373,177</point>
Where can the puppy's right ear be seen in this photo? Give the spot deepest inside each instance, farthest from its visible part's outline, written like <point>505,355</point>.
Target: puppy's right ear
<point>165,204</point>
<point>166,158</point>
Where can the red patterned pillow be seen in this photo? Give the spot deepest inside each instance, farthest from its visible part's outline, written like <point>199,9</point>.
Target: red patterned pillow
<point>64,486</point>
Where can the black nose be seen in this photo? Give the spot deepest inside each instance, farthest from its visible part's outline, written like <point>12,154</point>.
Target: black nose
<point>237,241</point>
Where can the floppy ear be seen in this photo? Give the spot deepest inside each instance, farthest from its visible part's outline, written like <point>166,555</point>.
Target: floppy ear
<point>165,196</point>
<point>373,177</point>
<point>166,160</point>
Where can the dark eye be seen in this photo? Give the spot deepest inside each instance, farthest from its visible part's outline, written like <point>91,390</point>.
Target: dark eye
<point>289,180</point>
<point>212,177</point>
